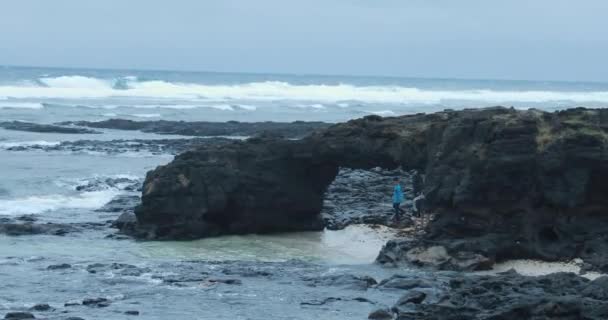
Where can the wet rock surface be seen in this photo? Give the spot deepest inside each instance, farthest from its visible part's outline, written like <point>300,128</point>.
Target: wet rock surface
<point>45,128</point>
<point>295,129</point>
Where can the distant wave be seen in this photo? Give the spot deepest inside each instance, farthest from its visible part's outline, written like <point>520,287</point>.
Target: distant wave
<point>146,115</point>
<point>40,143</point>
<point>80,87</point>
<point>20,105</point>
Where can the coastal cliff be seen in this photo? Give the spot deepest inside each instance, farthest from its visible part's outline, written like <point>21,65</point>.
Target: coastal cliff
<point>503,184</point>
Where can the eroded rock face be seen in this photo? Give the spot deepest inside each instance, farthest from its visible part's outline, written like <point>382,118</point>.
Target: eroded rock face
<point>504,183</point>
<point>263,185</point>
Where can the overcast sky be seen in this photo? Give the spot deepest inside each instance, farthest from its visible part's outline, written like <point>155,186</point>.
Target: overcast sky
<point>515,39</point>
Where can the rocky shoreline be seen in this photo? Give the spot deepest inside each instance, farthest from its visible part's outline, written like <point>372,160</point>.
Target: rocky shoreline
<point>500,183</point>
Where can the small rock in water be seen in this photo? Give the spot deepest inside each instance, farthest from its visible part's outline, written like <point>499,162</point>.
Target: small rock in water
<point>59,266</point>
<point>226,281</point>
<point>412,296</point>
<point>42,307</point>
<point>19,316</point>
<point>132,312</point>
<point>381,314</point>
<point>96,302</point>
<point>71,303</point>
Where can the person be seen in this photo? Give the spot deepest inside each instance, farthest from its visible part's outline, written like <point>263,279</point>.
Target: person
<point>397,199</point>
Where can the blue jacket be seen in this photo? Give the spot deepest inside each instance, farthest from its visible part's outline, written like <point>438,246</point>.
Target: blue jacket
<point>397,194</point>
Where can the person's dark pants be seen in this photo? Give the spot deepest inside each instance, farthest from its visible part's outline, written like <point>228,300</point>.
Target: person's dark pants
<point>398,210</point>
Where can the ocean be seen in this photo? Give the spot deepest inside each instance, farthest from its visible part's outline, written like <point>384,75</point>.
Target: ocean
<point>50,95</point>
<point>68,186</point>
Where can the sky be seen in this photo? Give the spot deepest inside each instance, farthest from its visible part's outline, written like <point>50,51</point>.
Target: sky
<point>480,39</point>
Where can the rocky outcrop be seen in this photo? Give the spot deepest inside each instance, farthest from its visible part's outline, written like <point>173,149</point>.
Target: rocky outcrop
<point>504,183</point>
<point>262,185</point>
<point>295,129</point>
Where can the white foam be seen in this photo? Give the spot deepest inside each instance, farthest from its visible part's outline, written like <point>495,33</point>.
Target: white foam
<point>539,268</point>
<point>21,105</point>
<point>246,107</point>
<point>44,203</point>
<point>110,114</point>
<point>74,87</point>
<point>146,115</point>
<point>383,113</point>
<point>223,107</point>
<point>42,143</point>
<point>316,106</point>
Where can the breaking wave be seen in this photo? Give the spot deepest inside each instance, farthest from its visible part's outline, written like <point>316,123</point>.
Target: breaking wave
<point>80,87</point>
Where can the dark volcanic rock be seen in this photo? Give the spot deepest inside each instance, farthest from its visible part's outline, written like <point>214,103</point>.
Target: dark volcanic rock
<point>504,183</point>
<point>96,302</point>
<point>343,280</point>
<point>381,314</point>
<point>154,146</point>
<point>295,129</point>
<point>19,316</point>
<point>506,296</point>
<point>42,307</point>
<point>45,128</point>
<point>21,229</point>
<point>62,266</point>
<point>17,228</point>
<point>230,189</point>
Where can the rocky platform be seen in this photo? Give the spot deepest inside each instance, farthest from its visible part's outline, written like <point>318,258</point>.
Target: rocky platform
<point>119,146</point>
<point>295,129</point>
<point>504,184</point>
